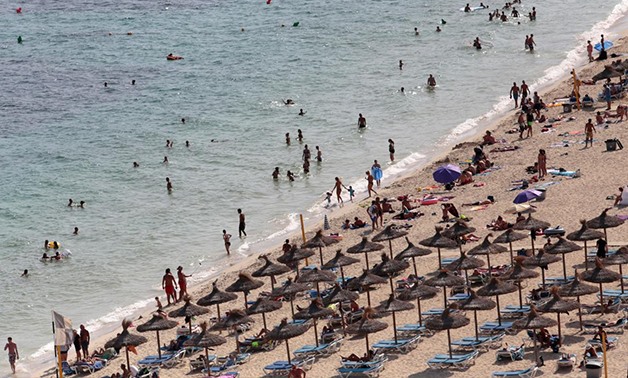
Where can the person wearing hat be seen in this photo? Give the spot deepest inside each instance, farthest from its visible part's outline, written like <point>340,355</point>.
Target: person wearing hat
<point>183,284</point>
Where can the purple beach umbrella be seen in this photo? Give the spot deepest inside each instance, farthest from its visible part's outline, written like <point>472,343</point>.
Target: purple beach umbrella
<point>527,195</point>
<point>446,173</point>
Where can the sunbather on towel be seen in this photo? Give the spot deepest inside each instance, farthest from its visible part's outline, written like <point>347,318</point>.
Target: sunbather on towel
<point>499,224</point>
<point>465,178</point>
<point>357,223</point>
<point>488,201</point>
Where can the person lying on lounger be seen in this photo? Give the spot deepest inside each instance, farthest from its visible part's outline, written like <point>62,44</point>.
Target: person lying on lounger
<point>366,358</point>
<point>499,224</point>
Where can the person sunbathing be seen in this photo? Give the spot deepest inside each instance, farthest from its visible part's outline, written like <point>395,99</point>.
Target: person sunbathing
<point>618,196</point>
<point>465,178</point>
<point>357,223</point>
<point>470,168</point>
<point>499,224</point>
<point>469,238</point>
<point>405,205</point>
<point>488,139</point>
<point>386,206</point>
<point>346,225</point>
<point>590,352</point>
<point>488,201</point>
<point>365,358</point>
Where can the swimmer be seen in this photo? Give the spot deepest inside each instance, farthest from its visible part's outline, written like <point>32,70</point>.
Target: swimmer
<point>416,31</point>
<point>227,239</point>
<point>301,112</point>
<point>275,174</point>
<point>81,205</point>
<point>306,154</point>
<point>46,244</point>
<point>168,185</point>
<point>290,176</point>
<point>25,274</point>
<point>165,160</point>
<point>45,256</point>
<point>55,245</point>
<point>70,203</point>
<point>391,149</point>
<point>431,81</point>
<point>288,102</point>
<point>136,164</point>
<point>361,121</point>
<point>319,154</point>
<point>443,22</point>
<point>288,139</point>
<point>105,84</point>
<point>173,57</point>
<point>133,82</point>
<point>182,120</point>
<point>300,136</point>
<point>402,90</point>
<point>477,44</point>
<point>400,64</point>
<point>76,230</point>
<point>438,30</point>
<point>187,143</point>
<point>467,8</point>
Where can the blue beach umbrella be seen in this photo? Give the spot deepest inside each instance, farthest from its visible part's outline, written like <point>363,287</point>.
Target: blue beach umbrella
<point>527,195</point>
<point>446,173</point>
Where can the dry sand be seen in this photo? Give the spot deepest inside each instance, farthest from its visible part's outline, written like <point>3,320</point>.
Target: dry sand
<point>567,202</point>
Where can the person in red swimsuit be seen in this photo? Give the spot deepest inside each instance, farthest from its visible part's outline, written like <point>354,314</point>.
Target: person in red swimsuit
<point>169,284</point>
<point>183,283</point>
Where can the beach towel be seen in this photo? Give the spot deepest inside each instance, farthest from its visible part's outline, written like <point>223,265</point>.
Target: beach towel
<point>478,208</point>
<point>546,184</point>
<point>557,172</point>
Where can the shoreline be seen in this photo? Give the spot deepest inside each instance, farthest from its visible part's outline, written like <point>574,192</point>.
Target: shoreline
<point>338,214</point>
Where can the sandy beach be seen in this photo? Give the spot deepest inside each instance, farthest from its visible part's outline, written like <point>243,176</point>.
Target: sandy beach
<point>567,201</point>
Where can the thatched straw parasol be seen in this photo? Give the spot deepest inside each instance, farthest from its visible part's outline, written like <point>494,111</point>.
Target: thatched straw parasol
<point>605,221</point>
<point>339,295</point>
<point>585,234</point>
<point>157,323</point>
<point>125,339</point>
<point>286,331</point>
<point>531,225</point>
<point>390,232</point>
<point>558,305</point>
<point>314,311</point>
<point>459,229</point>
<point>393,305</point>
<point>542,260</point>
<point>418,292</point>
<point>317,276</point>
<point>534,321</point>
<point>188,310</point>
<point>447,321</point>
<point>575,289</point>
<point>412,251</point>
<point>290,289</point>
<point>562,246</point>
<point>600,275</point>
<point>389,268</point>
<point>445,279</point>
<point>216,297</point>
<point>465,263</point>
<point>476,304</point>
<point>205,340</point>
<point>366,326</point>
<point>365,247</point>
<point>319,241</point>
<point>294,255</point>
<point>619,258</point>
<point>262,306</point>
<point>494,288</point>
<point>364,282</point>
<point>439,241</point>
<point>487,248</point>
<point>510,236</point>
<point>270,269</point>
<point>518,273</point>
<point>245,283</point>
<point>339,261</point>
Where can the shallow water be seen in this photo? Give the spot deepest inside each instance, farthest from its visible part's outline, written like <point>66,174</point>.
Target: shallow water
<point>65,135</point>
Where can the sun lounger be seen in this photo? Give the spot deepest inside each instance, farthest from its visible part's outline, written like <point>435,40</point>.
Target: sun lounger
<point>401,346</point>
<point>202,363</point>
<point>257,345</point>
<point>514,311</point>
<point>67,369</point>
<point>513,353</point>
<point>483,343</point>
<point>88,367</point>
<point>229,374</point>
<point>279,368</point>
<point>414,329</point>
<point>458,297</point>
<point>611,342</point>
<point>167,360</point>
<point>566,361</point>
<point>146,372</point>
<point>321,350</point>
<point>455,361</point>
<point>611,293</point>
<point>525,373</point>
<point>616,327</point>
<point>372,371</point>
<point>494,327</point>
<point>226,363</point>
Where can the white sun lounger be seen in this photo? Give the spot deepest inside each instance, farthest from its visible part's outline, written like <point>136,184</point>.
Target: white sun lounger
<point>483,343</point>
<point>456,361</point>
<point>526,373</point>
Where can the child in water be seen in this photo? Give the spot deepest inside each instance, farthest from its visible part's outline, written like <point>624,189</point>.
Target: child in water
<point>351,193</point>
<point>328,198</point>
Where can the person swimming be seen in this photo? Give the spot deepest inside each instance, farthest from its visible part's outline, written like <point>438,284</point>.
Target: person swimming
<point>477,44</point>
<point>288,102</point>
<point>431,81</point>
<point>171,56</point>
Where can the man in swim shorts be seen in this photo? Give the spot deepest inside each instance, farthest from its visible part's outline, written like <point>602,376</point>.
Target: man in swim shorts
<point>589,129</point>
<point>361,121</point>
<point>514,94</point>
<point>13,353</point>
<point>169,285</point>
<point>85,338</point>
<point>242,223</point>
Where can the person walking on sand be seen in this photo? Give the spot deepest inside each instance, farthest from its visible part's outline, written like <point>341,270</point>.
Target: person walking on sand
<point>361,121</point>
<point>242,223</point>
<point>608,97</point>
<point>369,180</point>
<point>338,189</point>
<point>525,91</point>
<point>168,185</point>
<point>514,94</point>
<point>13,352</point>
<point>542,160</point>
<point>590,51</point>
<point>169,285</point>
<point>183,282</point>
<point>589,129</point>
<point>391,149</point>
<point>372,212</point>
<point>85,339</point>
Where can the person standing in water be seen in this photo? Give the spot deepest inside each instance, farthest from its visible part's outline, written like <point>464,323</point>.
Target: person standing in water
<point>300,136</point>
<point>361,121</point>
<point>276,173</point>
<point>168,185</point>
<point>319,154</point>
<point>338,189</point>
<point>369,181</point>
<point>514,94</point>
<point>400,64</point>
<point>288,139</point>
<point>183,282</point>
<point>13,352</point>
<point>431,81</point>
<point>307,154</point>
<point>376,170</point>
<point>227,239</point>
<point>590,51</point>
<point>242,223</point>
<point>169,285</point>
<point>391,149</point>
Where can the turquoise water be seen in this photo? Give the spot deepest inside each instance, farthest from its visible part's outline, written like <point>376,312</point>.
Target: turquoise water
<point>64,135</point>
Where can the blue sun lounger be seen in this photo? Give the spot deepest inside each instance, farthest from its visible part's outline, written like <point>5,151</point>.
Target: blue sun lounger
<point>283,367</point>
<point>414,329</point>
<point>482,343</point>
<point>433,312</point>
<point>401,346</point>
<point>492,327</point>
<point>320,350</point>
<point>167,360</point>
<point>369,371</point>
<point>514,311</point>
<point>455,361</point>
<point>524,373</point>
<point>458,297</point>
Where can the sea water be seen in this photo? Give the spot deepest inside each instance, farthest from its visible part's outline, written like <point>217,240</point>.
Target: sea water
<point>65,135</point>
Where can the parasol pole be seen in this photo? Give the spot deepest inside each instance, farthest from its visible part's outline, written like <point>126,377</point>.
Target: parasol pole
<point>392,288</point>
<point>520,296</point>
<point>475,318</point>
<point>564,268</point>
<point>621,273</point>
<point>302,236</point>
<point>499,315</point>
<point>126,349</point>
<point>218,310</point>
<point>444,298</point>
<point>59,362</point>
<point>390,247</point>
<point>586,260</point>
<point>159,346</point>
<point>342,275</point>
<point>315,332</point>
<point>439,259</point>
<point>579,312</point>
<point>395,326</point>
<point>320,254</point>
<point>449,341</point>
<point>368,296</point>
<point>366,256</point>
<point>367,344</point>
<point>415,272</point>
<point>288,351</point>
<point>560,341</point>
<point>511,253</point>
<point>418,305</point>
<point>603,337</point>
<point>576,87</point>
<point>264,319</point>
